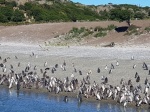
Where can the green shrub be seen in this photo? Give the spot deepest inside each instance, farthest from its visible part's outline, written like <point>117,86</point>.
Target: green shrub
<point>77,30</point>
<point>100,34</point>
<point>147,29</point>
<point>2,1</point>
<point>3,18</point>
<point>88,32</point>
<point>99,28</point>
<point>73,30</point>
<point>111,27</point>
<point>81,30</point>
<point>132,30</point>
<point>132,27</point>
<point>7,12</point>
<point>18,16</point>
<point>11,4</point>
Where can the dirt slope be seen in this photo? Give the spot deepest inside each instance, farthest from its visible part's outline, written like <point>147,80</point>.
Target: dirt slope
<point>39,33</point>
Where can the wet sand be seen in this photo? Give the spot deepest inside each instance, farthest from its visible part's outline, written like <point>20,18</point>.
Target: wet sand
<point>84,59</point>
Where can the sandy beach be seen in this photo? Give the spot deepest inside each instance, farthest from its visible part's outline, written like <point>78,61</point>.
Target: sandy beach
<point>84,58</point>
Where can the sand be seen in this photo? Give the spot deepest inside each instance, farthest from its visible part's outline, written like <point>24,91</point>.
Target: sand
<point>85,58</point>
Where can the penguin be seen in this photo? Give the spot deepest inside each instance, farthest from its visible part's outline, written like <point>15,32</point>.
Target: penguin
<point>98,70</point>
<point>66,99</point>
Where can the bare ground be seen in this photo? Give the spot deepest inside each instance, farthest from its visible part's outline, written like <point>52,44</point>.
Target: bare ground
<point>84,58</point>
<point>40,33</point>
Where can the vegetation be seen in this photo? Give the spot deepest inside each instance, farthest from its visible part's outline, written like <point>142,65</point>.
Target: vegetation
<point>87,32</point>
<point>8,14</point>
<point>100,34</point>
<point>77,30</point>
<point>59,12</point>
<point>147,29</point>
<point>133,30</point>
<point>103,31</point>
<point>111,27</point>
<point>99,28</point>
<point>2,1</point>
<point>68,11</point>
<point>125,12</point>
<point>77,35</point>
<point>140,15</point>
<point>81,33</point>
<point>17,16</point>
<point>120,15</point>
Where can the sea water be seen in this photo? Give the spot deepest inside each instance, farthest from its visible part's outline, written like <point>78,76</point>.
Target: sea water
<point>13,101</point>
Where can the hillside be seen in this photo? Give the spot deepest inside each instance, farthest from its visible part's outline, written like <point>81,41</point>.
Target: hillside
<point>47,33</point>
<point>33,11</point>
<point>62,22</point>
<point>22,2</point>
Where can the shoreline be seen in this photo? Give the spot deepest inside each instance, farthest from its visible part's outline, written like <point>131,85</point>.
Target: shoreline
<point>74,95</point>
<point>84,58</point>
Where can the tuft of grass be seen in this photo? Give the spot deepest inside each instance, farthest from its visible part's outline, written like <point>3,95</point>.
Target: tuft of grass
<point>87,33</point>
<point>100,34</point>
<point>132,27</point>
<point>147,29</point>
<point>111,27</point>
<point>132,30</point>
<point>77,30</point>
<point>79,33</point>
<point>99,28</point>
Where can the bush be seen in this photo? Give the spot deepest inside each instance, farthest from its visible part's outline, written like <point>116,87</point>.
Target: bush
<point>18,16</point>
<point>147,29</point>
<point>139,15</point>
<point>132,27</point>
<point>100,34</point>
<point>88,32</point>
<point>73,30</point>
<point>2,1</point>
<point>111,27</point>
<point>132,30</point>
<point>77,30</point>
<point>6,12</point>
<point>120,15</point>
<point>98,28</point>
<point>11,4</point>
<point>3,18</point>
<point>69,11</point>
